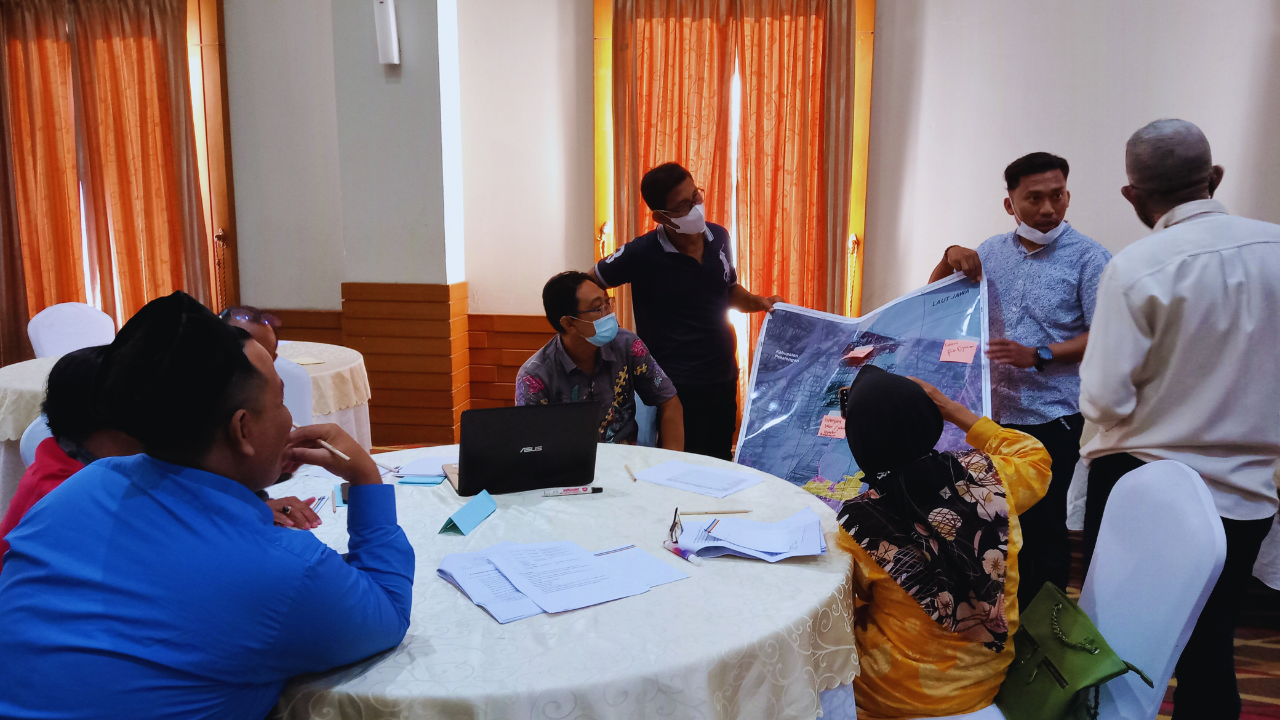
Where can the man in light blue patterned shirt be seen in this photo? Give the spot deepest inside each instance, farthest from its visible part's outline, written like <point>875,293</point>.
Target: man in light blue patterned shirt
<point>1043,283</point>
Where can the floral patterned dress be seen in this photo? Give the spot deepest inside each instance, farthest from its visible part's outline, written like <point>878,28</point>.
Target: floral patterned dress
<point>936,583</point>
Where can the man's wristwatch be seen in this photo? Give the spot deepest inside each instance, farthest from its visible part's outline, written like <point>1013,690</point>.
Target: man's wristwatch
<point>1044,356</point>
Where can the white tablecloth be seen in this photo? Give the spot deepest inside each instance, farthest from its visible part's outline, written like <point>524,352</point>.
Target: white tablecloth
<point>738,639</point>
<point>339,386</point>
<point>21,393</point>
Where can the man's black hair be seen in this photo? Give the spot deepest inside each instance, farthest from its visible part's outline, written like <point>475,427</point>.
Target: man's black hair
<point>174,376</point>
<point>658,183</point>
<point>68,395</point>
<point>1033,164</point>
<point>560,296</point>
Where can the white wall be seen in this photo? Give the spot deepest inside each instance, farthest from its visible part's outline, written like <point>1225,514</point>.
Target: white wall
<point>962,89</point>
<point>527,147</point>
<point>284,149</point>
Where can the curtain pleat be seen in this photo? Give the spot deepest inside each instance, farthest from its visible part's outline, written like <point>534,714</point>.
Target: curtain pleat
<point>782,178</point>
<point>15,346</point>
<point>672,66</point>
<point>838,144</point>
<point>143,209</point>
<point>40,141</point>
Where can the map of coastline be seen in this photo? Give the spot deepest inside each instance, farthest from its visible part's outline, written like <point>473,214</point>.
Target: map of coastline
<point>804,357</point>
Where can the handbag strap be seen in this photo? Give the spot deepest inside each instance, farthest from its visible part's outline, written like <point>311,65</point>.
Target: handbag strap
<point>1134,668</point>
<point>1085,646</point>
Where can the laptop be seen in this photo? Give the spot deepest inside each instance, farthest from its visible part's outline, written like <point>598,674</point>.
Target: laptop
<point>511,449</point>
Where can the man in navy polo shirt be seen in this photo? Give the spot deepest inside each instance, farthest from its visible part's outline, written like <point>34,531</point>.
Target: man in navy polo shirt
<point>683,284</point>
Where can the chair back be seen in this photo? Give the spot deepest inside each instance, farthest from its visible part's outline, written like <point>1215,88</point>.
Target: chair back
<point>1160,550</point>
<point>297,390</point>
<point>990,712</point>
<point>67,327</point>
<point>647,420</point>
<point>35,434</point>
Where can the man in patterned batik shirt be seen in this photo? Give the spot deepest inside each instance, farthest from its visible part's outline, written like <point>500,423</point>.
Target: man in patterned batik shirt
<point>591,359</point>
<point>1043,278</point>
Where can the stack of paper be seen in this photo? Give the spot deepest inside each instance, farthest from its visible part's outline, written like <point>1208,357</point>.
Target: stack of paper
<point>800,534</point>
<point>424,470</point>
<point>716,482</point>
<point>513,581</point>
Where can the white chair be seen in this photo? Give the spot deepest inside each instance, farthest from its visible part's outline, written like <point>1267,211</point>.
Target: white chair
<point>647,421</point>
<point>297,390</point>
<point>1160,550</point>
<point>990,712</point>
<point>35,434</point>
<point>67,327</point>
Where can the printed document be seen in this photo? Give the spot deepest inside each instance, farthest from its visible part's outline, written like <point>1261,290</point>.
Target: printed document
<point>561,576</point>
<point>715,482</point>
<point>479,580</point>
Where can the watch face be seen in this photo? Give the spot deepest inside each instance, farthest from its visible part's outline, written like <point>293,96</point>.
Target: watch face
<point>1044,353</point>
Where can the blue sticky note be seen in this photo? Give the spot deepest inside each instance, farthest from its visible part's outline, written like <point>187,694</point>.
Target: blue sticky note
<point>421,480</point>
<point>337,496</point>
<point>471,514</point>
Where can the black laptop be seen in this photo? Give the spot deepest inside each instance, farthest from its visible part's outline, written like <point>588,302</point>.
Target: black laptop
<point>505,450</point>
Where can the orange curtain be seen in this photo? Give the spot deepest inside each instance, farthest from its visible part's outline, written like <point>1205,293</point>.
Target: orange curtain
<point>41,144</point>
<point>672,66</point>
<point>782,196</point>
<point>142,201</point>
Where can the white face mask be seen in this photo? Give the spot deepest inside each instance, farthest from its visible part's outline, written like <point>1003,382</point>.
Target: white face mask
<point>1040,238</point>
<point>693,223</point>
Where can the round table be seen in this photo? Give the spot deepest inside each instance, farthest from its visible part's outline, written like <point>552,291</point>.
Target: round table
<point>738,639</point>
<point>21,394</point>
<point>339,385</point>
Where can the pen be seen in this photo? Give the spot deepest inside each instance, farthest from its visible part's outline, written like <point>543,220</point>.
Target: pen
<point>716,512</point>
<point>345,456</point>
<point>628,469</point>
<point>682,553</point>
<point>333,502</point>
<point>584,490</point>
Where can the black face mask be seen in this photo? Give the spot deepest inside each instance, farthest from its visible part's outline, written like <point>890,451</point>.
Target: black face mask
<point>890,422</point>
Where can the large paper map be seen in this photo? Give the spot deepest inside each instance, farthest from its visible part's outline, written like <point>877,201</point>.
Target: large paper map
<point>804,357</point>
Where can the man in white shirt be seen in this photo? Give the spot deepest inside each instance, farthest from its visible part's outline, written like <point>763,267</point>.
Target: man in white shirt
<point>1180,366</point>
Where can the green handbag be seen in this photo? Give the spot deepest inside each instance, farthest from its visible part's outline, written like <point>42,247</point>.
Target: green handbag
<point>1060,662</point>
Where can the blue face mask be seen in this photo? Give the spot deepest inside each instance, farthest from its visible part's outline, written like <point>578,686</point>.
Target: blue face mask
<point>606,330</point>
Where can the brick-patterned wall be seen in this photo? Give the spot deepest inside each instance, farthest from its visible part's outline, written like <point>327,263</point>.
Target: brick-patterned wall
<point>428,359</point>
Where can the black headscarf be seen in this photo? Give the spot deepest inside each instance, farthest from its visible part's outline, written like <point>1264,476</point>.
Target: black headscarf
<point>165,378</point>
<point>935,522</point>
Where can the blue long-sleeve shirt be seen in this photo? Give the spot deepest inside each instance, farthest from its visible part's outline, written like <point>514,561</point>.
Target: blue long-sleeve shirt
<point>143,589</point>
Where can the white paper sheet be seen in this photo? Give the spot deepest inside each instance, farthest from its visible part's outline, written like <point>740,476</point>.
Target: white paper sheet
<point>762,536</point>
<point>804,529</point>
<point>646,568</point>
<point>714,482</point>
<point>561,576</point>
<point>427,465</point>
<point>479,579</point>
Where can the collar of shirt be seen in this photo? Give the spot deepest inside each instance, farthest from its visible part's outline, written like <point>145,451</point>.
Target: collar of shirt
<point>568,365</point>
<point>160,476</point>
<point>1018,239</point>
<point>1188,210</point>
<point>666,243</point>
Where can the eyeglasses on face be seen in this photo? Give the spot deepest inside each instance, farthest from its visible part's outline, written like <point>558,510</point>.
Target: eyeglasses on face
<point>250,315</point>
<point>685,207</point>
<point>602,310</point>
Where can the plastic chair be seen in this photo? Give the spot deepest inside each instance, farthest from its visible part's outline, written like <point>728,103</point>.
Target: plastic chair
<point>647,419</point>
<point>36,433</point>
<point>67,327</point>
<point>297,390</point>
<point>990,712</point>
<point>1160,551</point>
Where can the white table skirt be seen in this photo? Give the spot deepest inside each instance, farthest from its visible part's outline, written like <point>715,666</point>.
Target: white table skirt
<point>11,471</point>
<point>738,639</point>
<point>354,420</point>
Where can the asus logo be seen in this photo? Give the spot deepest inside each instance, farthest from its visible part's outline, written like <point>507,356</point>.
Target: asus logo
<point>537,448</point>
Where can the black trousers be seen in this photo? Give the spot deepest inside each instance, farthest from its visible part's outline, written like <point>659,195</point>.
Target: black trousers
<point>1206,671</point>
<point>1046,549</point>
<point>710,414</point>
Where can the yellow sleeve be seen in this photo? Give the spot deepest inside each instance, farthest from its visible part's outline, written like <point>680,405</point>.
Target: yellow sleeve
<point>1022,462</point>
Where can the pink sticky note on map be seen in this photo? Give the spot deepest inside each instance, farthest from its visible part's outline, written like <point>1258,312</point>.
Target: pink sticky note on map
<point>959,351</point>
<point>832,427</point>
<point>859,353</point>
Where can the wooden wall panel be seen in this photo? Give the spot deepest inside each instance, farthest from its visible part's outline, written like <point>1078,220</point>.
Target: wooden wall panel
<point>324,326</point>
<point>414,339</point>
<point>500,344</point>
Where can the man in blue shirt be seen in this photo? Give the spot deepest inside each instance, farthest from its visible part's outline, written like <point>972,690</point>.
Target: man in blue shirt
<point>683,283</point>
<point>1043,284</point>
<point>157,585</point>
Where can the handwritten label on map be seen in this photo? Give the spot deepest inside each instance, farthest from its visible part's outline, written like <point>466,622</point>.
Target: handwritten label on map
<point>859,353</point>
<point>832,427</point>
<point>958,351</point>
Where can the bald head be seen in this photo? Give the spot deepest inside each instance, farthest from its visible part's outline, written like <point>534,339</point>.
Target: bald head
<point>1168,156</point>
